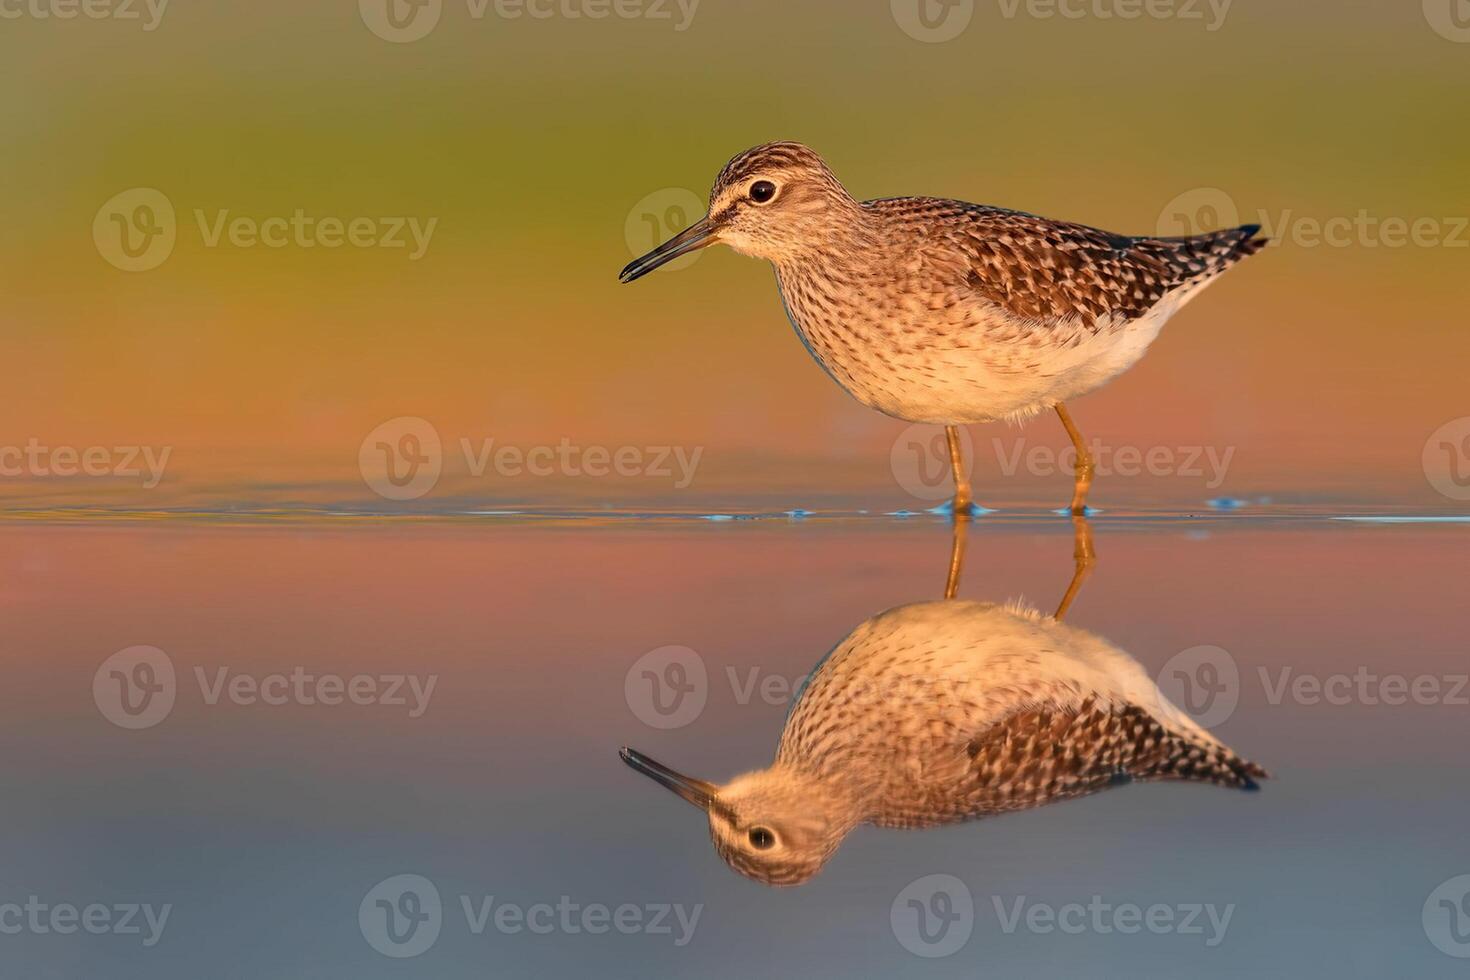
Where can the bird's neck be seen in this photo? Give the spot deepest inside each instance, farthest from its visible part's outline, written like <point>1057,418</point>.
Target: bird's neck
<point>845,240</point>
<point>841,793</point>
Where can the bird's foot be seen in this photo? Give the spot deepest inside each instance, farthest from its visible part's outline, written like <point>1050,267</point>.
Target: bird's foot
<point>960,511</point>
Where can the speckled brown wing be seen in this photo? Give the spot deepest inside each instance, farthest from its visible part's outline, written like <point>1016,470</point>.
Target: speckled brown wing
<point>1046,272</point>
<point>1045,754</point>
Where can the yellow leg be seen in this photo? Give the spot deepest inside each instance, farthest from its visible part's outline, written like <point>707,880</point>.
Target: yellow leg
<point>1083,559</point>
<point>962,498</point>
<point>956,559</point>
<point>1085,465</point>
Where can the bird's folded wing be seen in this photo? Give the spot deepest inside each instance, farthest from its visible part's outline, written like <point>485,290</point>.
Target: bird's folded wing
<point>1041,754</point>
<point>1051,273</point>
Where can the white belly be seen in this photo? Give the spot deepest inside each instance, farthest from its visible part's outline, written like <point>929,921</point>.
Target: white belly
<point>999,377</point>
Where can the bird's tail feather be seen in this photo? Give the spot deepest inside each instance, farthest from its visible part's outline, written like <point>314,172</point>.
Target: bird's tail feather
<point>1195,260</point>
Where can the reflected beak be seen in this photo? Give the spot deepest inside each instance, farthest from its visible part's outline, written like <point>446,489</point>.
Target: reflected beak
<point>696,791</point>
<point>701,234</point>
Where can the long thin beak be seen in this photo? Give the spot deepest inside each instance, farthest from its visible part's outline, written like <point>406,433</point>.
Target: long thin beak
<point>696,791</point>
<point>699,235</point>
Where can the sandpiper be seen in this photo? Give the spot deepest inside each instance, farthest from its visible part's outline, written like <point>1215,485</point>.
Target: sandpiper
<point>943,312</point>
<point>939,712</point>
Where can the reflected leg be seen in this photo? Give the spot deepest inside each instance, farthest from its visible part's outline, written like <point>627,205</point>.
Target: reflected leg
<point>1083,559</point>
<point>956,558</point>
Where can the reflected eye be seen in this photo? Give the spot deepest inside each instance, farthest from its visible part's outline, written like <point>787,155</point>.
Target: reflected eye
<point>761,839</point>
<point>762,191</point>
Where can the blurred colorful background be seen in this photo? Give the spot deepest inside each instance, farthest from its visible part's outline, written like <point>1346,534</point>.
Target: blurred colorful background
<point>543,149</point>
<point>273,263</point>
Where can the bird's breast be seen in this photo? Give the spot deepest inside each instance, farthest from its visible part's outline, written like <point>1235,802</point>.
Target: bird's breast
<point>919,351</point>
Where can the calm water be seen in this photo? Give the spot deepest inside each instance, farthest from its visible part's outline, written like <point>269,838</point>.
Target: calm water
<point>486,673</point>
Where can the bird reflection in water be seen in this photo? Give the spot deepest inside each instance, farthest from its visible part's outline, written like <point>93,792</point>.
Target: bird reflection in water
<point>939,712</point>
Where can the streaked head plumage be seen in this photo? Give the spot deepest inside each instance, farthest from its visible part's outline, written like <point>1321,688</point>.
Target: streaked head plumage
<point>777,826</point>
<point>777,201</point>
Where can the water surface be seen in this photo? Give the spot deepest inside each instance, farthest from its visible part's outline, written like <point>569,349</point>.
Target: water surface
<point>266,828</point>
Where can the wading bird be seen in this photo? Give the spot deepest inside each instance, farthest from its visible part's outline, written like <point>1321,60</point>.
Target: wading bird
<point>949,313</point>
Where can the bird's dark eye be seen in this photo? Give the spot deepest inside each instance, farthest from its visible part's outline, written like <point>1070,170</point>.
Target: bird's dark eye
<point>762,191</point>
<point>761,838</point>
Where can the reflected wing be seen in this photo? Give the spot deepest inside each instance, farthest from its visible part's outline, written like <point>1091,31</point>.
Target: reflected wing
<point>1041,755</point>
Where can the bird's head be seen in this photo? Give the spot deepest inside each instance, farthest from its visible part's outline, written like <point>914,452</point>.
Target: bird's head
<point>776,826</point>
<point>778,201</point>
